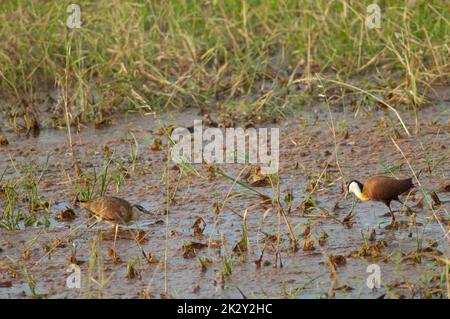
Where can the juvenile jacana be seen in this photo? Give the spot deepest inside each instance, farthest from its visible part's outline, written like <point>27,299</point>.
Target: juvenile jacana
<point>113,210</point>
<point>382,189</point>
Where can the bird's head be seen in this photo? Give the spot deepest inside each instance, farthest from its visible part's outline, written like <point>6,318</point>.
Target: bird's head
<point>355,187</point>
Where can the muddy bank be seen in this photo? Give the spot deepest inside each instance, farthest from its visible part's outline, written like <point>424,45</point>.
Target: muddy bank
<point>312,249</point>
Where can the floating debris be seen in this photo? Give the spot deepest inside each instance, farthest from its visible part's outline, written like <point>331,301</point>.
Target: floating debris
<point>204,262</point>
<point>198,227</point>
<point>373,250</point>
<point>323,238</point>
<point>196,289</point>
<point>308,245</point>
<point>445,188</point>
<point>259,260</point>
<point>344,288</point>
<point>26,254</point>
<point>131,271</point>
<point>156,145</point>
<point>190,248</point>
<point>226,119</point>
<point>3,140</point>
<point>397,135</point>
<point>66,214</point>
<point>435,198</point>
<point>164,130</point>
<point>113,254</point>
<point>254,176</point>
<point>260,181</point>
<point>347,221</point>
<point>141,236</point>
<point>308,203</point>
<point>241,247</point>
<point>102,122</point>
<point>58,243</point>
<point>306,231</point>
<point>337,260</point>
<point>289,197</point>
<point>152,258</point>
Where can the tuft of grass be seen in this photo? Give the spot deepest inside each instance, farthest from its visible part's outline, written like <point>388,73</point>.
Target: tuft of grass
<point>11,214</point>
<point>242,57</point>
<point>23,204</point>
<point>96,183</point>
<point>390,169</point>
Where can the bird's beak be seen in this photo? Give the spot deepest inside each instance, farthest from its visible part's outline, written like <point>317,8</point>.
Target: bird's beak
<point>141,209</point>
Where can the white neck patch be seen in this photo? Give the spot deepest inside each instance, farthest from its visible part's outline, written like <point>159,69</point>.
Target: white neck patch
<point>354,188</point>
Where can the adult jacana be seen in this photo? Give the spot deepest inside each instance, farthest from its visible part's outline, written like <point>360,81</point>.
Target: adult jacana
<point>382,189</point>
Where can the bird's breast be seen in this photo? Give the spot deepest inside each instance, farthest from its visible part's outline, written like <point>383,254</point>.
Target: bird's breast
<point>363,197</point>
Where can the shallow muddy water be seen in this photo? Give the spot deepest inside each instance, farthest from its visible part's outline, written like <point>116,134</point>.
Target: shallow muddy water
<point>35,259</point>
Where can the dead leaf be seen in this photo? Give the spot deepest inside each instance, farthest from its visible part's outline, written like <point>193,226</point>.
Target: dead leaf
<point>58,243</point>
<point>445,188</point>
<point>141,235</point>
<point>323,238</point>
<point>260,181</point>
<point>199,226</point>
<point>189,249</point>
<point>26,254</point>
<point>344,288</point>
<point>101,122</point>
<point>397,134</point>
<point>241,247</point>
<point>205,263</point>
<point>308,245</point>
<point>306,231</point>
<point>6,284</point>
<point>112,253</point>
<point>435,198</point>
<point>152,258</point>
<point>289,197</point>
<point>196,289</point>
<point>347,221</point>
<point>163,130</point>
<point>3,140</point>
<point>66,214</point>
<point>338,260</point>
<point>156,145</point>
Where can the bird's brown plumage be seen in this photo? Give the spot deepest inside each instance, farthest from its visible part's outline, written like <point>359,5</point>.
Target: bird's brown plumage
<point>385,189</point>
<point>109,208</point>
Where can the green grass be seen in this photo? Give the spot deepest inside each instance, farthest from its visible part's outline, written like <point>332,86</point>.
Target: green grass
<point>157,55</point>
<point>21,199</point>
<point>11,215</point>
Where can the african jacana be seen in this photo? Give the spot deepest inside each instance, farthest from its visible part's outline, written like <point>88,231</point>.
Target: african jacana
<point>382,189</point>
<point>113,210</point>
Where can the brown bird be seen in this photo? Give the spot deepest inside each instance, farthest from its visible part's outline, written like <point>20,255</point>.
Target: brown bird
<point>382,189</point>
<point>113,210</point>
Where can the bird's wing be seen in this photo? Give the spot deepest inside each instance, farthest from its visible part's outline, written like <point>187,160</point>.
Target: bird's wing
<point>386,188</point>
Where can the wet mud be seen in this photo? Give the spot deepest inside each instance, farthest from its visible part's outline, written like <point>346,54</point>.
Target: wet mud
<point>207,237</point>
